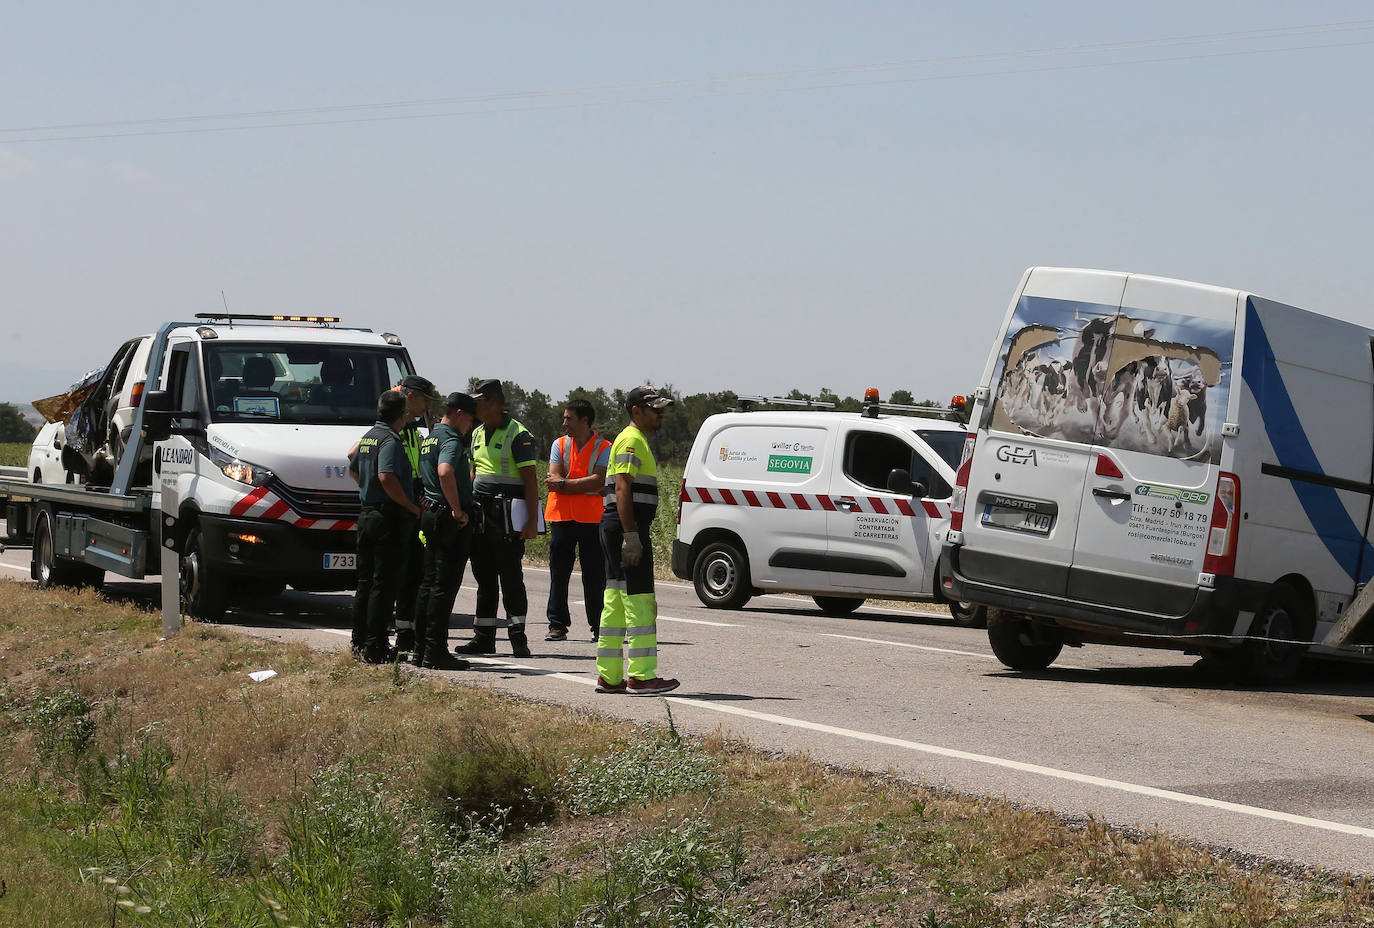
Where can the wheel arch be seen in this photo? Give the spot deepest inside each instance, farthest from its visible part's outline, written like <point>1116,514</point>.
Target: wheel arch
<point>1306,597</point>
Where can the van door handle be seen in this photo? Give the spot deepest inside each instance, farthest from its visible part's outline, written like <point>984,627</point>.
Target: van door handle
<point>1110,494</point>
<point>847,503</point>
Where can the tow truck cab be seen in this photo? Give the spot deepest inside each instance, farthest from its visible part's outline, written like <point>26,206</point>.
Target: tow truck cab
<point>259,420</point>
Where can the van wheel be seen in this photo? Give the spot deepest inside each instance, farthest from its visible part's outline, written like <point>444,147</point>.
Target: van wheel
<point>203,594</point>
<point>1020,643</point>
<point>721,576</point>
<point>969,615</point>
<point>50,570</point>
<point>1270,662</point>
<point>837,605</point>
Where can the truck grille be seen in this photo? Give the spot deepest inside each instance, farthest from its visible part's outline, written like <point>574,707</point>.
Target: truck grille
<point>318,504</point>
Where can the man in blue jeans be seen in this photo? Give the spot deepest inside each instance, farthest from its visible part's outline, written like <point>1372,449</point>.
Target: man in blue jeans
<point>577,477</point>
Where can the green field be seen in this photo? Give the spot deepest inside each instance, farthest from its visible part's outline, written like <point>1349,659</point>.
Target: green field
<point>14,454</point>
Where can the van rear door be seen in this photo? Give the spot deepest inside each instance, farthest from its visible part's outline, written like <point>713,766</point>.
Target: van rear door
<point>1026,483</point>
<point>1147,499</point>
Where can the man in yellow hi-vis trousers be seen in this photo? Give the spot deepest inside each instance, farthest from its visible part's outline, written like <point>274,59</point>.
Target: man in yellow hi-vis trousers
<point>630,615</point>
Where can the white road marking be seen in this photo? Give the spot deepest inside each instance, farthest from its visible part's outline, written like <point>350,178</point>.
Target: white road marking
<point>669,618</point>
<point>903,644</point>
<point>22,570</point>
<point>955,754</point>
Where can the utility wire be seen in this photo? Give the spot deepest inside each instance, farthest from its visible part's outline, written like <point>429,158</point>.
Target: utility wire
<point>721,85</point>
<point>1091,48</point>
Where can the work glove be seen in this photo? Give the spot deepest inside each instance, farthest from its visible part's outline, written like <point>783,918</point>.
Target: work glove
<point>632,550</point>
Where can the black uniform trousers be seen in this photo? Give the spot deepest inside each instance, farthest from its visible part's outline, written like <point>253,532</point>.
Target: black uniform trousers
<point>571,542</point>
<point>383,532</point>
<point>447,547</point>
<point>408,589</point>
<point>498,564</point>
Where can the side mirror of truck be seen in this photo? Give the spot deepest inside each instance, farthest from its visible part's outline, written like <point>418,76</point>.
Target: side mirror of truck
<point>159,413</point>
<point>899,481</point>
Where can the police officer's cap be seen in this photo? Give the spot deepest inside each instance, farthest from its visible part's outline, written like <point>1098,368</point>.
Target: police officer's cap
<point>420,385</point>
<point>489,388</point>
<point>647,396</point>
<point>461,401</point>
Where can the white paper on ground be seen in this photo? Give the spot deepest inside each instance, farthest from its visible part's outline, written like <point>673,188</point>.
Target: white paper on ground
<point>260,675</point>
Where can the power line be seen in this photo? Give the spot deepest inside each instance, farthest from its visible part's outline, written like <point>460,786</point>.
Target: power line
<point>714,86</point>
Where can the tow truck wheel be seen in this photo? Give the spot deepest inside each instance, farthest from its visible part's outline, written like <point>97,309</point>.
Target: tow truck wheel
<point>837,605</point>
<point>48,569</point>
<point>1020,643</point>
<point>721,576</point>
<point>969,615</point>
<point>203,595</point>
<point>1269,662</point>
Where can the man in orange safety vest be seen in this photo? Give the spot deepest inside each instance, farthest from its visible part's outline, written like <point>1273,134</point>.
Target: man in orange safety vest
<point>577,474</point>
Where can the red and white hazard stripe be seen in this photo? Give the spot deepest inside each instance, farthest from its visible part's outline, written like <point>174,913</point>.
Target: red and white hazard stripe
<point>262,503</point>
<point>874,505</point>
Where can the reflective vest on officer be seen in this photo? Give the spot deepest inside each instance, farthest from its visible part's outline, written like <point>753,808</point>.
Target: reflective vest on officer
<point>495,468</point>
<point>577,463</point>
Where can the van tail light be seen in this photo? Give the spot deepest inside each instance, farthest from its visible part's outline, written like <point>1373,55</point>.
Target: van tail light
<point>682,497</point>
<point>956,501</point>
<point>136,395</point>
<point>1106,467</point>
<point>1221,537</point>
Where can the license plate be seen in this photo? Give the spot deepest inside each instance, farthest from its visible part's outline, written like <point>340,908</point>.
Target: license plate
<point>341,562</point>
<point>1018,520</point>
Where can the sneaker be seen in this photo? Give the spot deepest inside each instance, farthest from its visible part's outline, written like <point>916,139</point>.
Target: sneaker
<point>556,633</point>
<point>655,687</point>
<point>444,661</point>
<point>603,687</point>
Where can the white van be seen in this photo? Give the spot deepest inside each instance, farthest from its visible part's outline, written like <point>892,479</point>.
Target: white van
<point>1164,463</point>
<point>842,506</point>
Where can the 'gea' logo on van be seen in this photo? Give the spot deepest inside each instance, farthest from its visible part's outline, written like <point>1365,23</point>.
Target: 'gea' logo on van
<point>1015,454</point>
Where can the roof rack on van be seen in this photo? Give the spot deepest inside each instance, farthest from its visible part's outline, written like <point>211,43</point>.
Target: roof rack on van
<point>747,403</point>
<point>872,406</point>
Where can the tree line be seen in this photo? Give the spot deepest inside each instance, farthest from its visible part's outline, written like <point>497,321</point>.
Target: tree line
<point>543,415</point>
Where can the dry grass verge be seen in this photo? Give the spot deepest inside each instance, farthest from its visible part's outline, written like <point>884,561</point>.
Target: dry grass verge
<point>340,794</point>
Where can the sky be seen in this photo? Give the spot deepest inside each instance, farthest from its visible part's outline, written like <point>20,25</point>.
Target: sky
<point>747,196</point>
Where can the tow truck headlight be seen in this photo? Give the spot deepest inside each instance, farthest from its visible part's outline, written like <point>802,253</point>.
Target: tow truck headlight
<point>236,469</point>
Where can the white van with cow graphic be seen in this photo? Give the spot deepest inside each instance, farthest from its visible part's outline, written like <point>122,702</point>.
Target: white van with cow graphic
<point>1156,462</point>
<point>840,506</point>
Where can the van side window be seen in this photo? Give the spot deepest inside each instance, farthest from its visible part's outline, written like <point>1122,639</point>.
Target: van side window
<point>870,456</point>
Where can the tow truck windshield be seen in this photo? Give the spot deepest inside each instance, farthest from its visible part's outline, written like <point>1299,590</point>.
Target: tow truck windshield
<point>302,384</point>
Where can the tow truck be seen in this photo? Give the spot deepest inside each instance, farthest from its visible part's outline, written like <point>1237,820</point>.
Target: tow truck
<point>246,490</point>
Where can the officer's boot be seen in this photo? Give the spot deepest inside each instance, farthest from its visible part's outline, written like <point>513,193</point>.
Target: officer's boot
<point>519,644</point>
<point>483,642</point>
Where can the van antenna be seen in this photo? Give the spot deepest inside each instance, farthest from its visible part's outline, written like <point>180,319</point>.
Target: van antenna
<point>223,299</point>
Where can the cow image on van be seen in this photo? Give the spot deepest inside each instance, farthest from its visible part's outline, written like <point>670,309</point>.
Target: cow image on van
<point>1169,504</point>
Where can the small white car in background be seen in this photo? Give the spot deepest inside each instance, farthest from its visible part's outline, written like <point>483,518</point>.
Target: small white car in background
<point>840,506</point>
<point>45,457</point>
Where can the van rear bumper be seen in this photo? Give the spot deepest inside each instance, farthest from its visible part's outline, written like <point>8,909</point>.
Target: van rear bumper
<point>1204,612</point>
<point>284,552</point>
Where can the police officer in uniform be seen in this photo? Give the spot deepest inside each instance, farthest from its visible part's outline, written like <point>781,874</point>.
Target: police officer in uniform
<point>503,464</point>
<point>387,520</point>
<point>446,528</point>
<point>419,392</point>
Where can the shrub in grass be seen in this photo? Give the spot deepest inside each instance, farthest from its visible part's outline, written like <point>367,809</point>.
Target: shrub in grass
<point>62,728</point>
<point>480,775</point>
<point>647,766</point>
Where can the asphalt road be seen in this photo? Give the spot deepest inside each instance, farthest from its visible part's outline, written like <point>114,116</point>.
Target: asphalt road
<point>1132,737</point>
